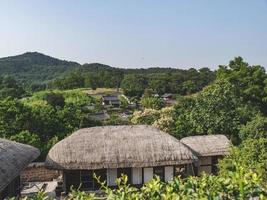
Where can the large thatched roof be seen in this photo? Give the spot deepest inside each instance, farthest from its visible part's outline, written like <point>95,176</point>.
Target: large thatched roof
<point>208,145</point>
<point>118,147</point>
<point>14,157</point>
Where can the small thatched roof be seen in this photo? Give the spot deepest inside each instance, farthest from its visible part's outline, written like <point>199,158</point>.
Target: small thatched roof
<point>14,157</point>
<point>208,145</point>
<point>99,116</point>
<point>167,95</point>
<point>111,98</point>
<point>118,147</point>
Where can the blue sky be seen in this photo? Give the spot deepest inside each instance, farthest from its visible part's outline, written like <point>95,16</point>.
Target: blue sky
<point>137,33</point>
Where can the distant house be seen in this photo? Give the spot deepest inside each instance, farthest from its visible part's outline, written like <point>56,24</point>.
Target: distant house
<point>169,99</point>
<point>138,151</point>
<point>209,149</point>
<point>167,96</point>
<point>101,116</point>
<point>111,100</point>
<point>14,157</point>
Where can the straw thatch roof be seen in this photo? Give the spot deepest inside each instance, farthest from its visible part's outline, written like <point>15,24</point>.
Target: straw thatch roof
<point>118,147</point>
<point>14,157</point>
<point>111,98</point>
<point>208,145</point>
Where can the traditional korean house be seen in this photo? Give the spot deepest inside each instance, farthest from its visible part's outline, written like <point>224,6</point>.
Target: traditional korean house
<point>167,96</point>
<point>139,151</point>
<point>111,100</point>
<point>169,99</point>
<point>209,149</point>
<point>101,116</point>
<point>14,157</point>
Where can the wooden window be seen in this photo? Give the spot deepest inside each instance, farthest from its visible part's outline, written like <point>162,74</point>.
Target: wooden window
<point>159,171</point>
<point>209,165</point>
<point>87,180</point>
<point>84,179</point>
<point>127,172</point>
<point>72,178</point>
<point>102,173</point>
<point>180,170</point>
<point>215,161</point>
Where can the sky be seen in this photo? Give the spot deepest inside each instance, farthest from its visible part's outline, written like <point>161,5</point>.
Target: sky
<point>137,33</point>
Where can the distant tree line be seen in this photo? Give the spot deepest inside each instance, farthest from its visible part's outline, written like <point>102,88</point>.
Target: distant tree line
<point>134,82</point>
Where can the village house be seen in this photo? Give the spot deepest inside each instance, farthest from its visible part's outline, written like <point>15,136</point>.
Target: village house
<point>167,96</point>
<point>169,99</point>
<point>14,157</point>
<point>112,100</point>
<point>138,151</point>
<point>100,116</point>
<point>209,149</point>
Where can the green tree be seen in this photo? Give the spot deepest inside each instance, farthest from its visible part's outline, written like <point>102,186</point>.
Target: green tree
<point>26,137</point>
<point>10,88</point>
<point>248,80</point>
<point>254,129</point>
<point>55,99</point>
<point>251,154</point>
<point>14,117</point>
<point>152,102</point>
<point>134,85</point>
<point>217,109</point>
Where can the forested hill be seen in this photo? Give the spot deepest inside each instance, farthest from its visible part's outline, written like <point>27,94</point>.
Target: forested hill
<point>34,67</point>
<point>40,71</point>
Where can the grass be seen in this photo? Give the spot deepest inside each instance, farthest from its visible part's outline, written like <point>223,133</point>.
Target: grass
<point>100,91</point>
<point>75,96</point>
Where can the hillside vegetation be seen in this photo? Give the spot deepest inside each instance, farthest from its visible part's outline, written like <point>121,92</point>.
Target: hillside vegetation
<point>34,67</point>
<point>38,71</point>
<point>231,101</point>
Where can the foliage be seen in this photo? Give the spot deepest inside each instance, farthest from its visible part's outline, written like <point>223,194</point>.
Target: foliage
<point>134,84</point>
<point>148,116</point>
<point>166,121</point>
<point>55,99</point>
<point>252,154</point>
<point>152,102</point>
<point>33,67</point>
<point>124,102</point>
<point>35,121</point>
<point>26,137</point>
<point>240,185</point>
<point>70,81</point>
<point>162,119</point>
<point>254,129</point>
<point>10,88</point>
<point>219,106</point>
<point>250,81</point>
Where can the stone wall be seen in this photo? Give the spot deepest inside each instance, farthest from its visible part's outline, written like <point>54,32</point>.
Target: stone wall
<point>36,172</point>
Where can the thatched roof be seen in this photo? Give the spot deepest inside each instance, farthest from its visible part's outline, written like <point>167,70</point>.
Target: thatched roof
<point>99,116</point>
<point>167,95</point>
<point>14,157</point>
<point>118,147</point>
<point>111,98</point>
<point>208,145</point>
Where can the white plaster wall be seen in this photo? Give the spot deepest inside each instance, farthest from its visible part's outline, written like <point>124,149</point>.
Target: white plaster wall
<point>111,177</point>
<point>148,174</point>
<point>137,176</point>
<point>168,173</point>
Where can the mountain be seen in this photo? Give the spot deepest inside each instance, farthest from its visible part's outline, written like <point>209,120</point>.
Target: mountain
<point>34,67</point>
